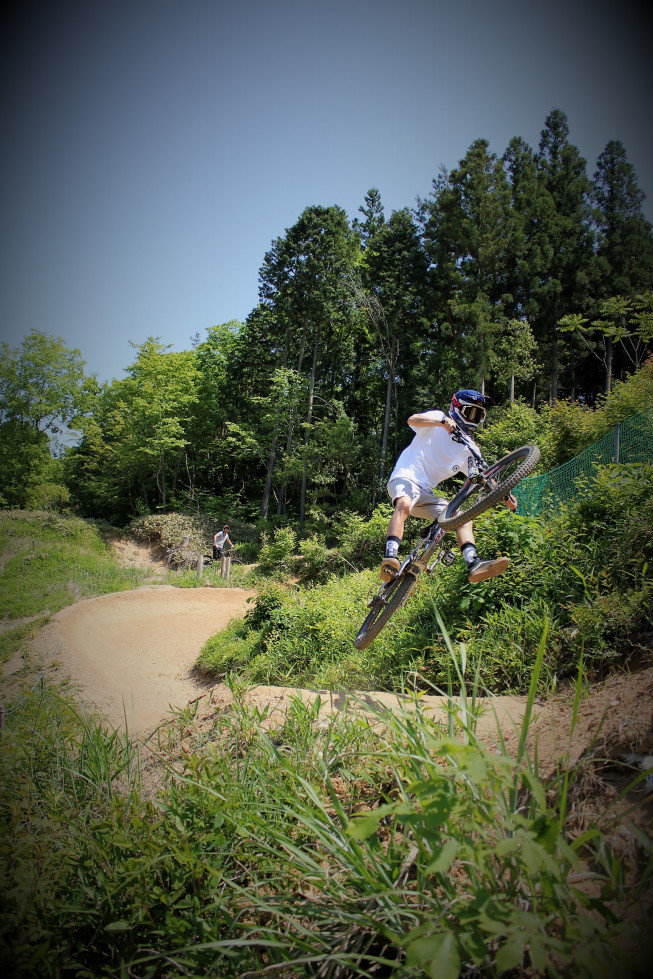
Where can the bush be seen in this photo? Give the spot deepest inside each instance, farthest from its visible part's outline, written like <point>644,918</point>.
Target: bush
<point>574,427</point>
<point>317,562</point>
<point>275,555</point>
<point>47,496</point>
<point>568,427</point>
<point>629,397</point>
<point>513,426</point>
<point>305,637</point>
<point>362,541</point>
<point>194,533</point>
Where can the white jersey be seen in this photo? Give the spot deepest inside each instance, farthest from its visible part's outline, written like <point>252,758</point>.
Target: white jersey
<point>432,456</point>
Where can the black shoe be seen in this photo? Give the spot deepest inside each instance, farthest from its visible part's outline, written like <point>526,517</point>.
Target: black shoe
<point>482,570</point>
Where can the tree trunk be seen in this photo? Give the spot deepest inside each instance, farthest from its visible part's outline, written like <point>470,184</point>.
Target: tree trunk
<point>554,370</point>
<point>267,489</point>
<point>161,480</point>
<point>386,429</point>
<point>512,387</point>
<point>175,474</point>
<point>608,364</point>
<point>554,355</point>
<point>281,506</point>
<point>307,434</point>
<point>272,457</point>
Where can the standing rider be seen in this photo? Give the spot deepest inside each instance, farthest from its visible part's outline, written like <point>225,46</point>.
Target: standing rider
<point>432,457</point>
<point>221,541</point>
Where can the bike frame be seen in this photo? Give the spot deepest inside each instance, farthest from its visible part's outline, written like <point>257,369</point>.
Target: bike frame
<point>419,558</point>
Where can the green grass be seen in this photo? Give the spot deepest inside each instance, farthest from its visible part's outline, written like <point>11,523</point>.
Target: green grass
<point>585,570</point>
<point>13,639</point>
<point>319,847</point>
<point>357,845</point>
<point>51,561</point>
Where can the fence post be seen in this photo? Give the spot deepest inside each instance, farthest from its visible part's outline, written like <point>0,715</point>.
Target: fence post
<point>617,428</point>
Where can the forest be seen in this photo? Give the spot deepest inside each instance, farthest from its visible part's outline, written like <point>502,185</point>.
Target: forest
<point>518,275</point>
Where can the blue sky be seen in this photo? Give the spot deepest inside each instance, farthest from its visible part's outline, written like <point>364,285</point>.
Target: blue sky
<point>153,149</point>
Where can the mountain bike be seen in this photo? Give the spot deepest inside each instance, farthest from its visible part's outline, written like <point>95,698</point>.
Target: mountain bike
<point>486,485</point>
<point>224,561</point>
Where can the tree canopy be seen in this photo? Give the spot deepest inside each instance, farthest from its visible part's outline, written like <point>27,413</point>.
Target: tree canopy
<point>517,275</point>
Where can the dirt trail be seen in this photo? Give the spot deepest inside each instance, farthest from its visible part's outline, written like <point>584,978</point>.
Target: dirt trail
<point>132,652</point>
<point>132,656</point>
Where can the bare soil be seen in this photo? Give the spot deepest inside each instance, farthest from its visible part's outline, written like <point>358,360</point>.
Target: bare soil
<point>132,655</point>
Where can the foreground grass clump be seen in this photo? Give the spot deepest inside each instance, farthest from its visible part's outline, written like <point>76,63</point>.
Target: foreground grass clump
<point>307,845</point>
<point>90,871</point>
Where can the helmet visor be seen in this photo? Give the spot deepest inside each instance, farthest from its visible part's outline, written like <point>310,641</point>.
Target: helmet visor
<point>473,414</point>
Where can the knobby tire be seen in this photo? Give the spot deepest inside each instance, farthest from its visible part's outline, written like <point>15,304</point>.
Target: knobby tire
<point>454,517</point>
<point>379,616</point>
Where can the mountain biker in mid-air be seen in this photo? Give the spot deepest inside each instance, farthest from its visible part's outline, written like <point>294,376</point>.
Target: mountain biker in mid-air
<point>432,457</point>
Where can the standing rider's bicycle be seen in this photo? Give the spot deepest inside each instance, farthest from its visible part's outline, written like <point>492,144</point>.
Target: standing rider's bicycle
<point>486,485</point>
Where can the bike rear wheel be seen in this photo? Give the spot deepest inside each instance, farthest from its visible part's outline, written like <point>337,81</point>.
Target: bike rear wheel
<point>500,478</point>
<point>381,611</point>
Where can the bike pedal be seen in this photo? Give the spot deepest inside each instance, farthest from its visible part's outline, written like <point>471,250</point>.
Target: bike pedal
<point>448,558</point>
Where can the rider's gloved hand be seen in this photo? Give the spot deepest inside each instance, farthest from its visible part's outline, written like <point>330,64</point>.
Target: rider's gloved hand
<point>510,501</point>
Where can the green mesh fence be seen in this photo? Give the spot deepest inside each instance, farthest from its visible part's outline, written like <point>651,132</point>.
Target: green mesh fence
<point>629,441</point>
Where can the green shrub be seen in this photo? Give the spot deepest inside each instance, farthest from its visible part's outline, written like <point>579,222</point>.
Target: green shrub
<point>168,530</point>
<point>317,562</point>
<point>515,425</point>
<point>584,570</point>
<point>629,397</point>
<point>47,496</point>
<point>362,541</point>
<point>275,555</point>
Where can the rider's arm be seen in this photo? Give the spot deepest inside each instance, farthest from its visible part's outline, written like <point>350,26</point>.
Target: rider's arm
<point>426,419</point>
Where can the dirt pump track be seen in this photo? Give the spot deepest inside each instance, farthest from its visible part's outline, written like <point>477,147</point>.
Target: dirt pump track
<point>132,654</point>
<point>131,657</point>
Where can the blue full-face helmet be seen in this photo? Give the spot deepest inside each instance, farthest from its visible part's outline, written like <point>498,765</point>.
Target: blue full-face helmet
<point>468,409</point>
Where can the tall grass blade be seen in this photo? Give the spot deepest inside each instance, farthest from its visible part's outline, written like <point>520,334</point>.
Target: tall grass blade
<point>530,700</point>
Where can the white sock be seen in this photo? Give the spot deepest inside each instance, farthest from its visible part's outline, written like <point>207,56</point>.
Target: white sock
<point>392,547</point>
<point>469,553</point>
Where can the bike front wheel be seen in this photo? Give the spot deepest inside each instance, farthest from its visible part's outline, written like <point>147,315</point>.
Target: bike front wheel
<point>398,592</point>
<point>499,480</point>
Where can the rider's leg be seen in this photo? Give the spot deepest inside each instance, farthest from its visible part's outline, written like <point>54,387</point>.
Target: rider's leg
<point>477,569</point>
<point>390,564</point>
<point>402,508</point>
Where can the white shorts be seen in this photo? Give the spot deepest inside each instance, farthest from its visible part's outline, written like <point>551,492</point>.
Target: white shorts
<point>425,503</point>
